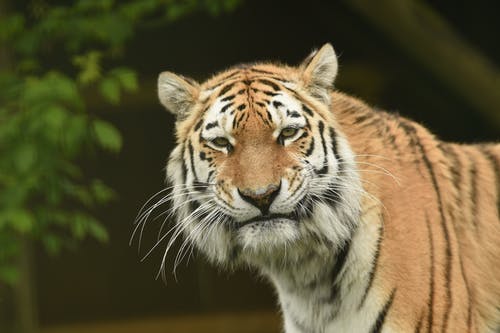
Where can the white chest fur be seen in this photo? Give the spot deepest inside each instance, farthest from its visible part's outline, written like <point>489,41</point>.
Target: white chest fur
<point>315,298</point>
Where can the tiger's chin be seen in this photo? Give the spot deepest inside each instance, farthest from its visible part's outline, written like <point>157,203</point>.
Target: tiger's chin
<point>266,234</point>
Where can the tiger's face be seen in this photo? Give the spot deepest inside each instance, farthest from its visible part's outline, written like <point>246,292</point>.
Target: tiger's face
<point>261,168</point>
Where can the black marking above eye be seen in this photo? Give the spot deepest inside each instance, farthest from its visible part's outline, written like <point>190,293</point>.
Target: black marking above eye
<point>212,125</point>
<point>241,107</point>
<point>225,107</point>
<point>293,114</point>
<point>277,104</point>
<point>228,98</point>
<point>270,93</point>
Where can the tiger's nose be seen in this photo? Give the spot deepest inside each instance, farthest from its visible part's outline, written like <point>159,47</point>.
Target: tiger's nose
<point>261,198</point>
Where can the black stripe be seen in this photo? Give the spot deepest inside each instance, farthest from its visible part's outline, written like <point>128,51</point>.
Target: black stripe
<point>310,150</point>
<point>379,323</point>
<point>361,118</point>
<point>225,107</point>
<point>269,115</point>
<point>226,89</point>
<point>212,125</point>
<point>184,166</point>
<point>210,174</point>
<point>411,134</point>
<point>337,268</point>
<point>241,107</point>
<point>430,318</point>
<point>388,136</point>
<point>293,114</point>
<point>419,323</point>
<point>371,276</point>
<point>265,121</point>
<point>333,138</point>
<point>223,80</point>
<point>230,75</point>
<point>495,163</point>
<point>277,104</point>
<point>450,153</point>
<point>270,93</point>
<point>198,125</point>
<point>444,227</point>
<point>270,84</point>
<point>455,167</point>
<point>228,98</point>
<point>473,190</point>
<point>307,110</point>
<point>324,169</point>
<point>191,157</point>
<point>261,71</point>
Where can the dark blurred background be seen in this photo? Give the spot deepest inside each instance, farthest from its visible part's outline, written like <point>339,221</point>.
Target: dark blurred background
<point>436,62</point>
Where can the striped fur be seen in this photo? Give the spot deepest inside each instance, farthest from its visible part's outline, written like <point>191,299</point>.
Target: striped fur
<point>363,220</point>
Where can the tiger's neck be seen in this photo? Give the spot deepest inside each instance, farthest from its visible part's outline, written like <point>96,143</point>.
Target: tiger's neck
<point>332,292</point>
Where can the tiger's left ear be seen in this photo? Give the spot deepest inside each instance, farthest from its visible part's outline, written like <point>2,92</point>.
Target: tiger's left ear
<point>178,94</point>
<point>318,72</point>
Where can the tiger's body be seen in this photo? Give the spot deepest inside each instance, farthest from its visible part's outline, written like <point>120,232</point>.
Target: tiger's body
<point>363,220</point>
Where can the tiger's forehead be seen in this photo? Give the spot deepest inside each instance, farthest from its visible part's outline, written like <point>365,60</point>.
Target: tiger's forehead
<point>251,96</point>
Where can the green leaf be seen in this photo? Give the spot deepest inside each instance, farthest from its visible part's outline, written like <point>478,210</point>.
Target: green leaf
<point>52,243</point>
<point>11,26</point>
<point>98,232</point>
<point>9,274</point>
<point>75,134</point>
<point>54,119</point>
<point>101,192</point>
<point>126,77</point>
<point>107,136</point>
<point>110,90</point>
<point>90,67</point>
<point>89,5</point>
<point>24,158</point>
<point>21,220</point>
<point>79,226</point>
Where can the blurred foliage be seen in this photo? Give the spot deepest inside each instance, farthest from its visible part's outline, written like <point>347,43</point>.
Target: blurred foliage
<point>45,128</point>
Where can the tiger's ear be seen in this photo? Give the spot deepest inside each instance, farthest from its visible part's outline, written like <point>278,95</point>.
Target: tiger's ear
<point>177,93</point>
<point>318,71</point>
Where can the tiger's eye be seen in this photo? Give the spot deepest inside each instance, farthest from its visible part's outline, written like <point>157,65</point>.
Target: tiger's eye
<point>288,132</point>
<point>220,142</point>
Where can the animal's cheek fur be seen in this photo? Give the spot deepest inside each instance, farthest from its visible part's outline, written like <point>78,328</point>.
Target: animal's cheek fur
<point>223,188</point>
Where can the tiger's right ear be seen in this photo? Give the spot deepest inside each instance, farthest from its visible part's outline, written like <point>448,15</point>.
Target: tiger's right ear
<point>177,94</point>
<point>318,71</point>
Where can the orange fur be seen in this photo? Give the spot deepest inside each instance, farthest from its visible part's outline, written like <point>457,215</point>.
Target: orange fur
<point>437,203</point>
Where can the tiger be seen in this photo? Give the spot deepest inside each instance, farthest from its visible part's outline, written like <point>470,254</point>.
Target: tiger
<point>361,219</point>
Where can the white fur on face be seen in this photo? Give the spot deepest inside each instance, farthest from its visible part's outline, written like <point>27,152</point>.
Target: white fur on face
<point>213,227</point>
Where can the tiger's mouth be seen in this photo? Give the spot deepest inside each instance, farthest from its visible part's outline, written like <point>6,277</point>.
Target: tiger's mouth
<point>267,220</point>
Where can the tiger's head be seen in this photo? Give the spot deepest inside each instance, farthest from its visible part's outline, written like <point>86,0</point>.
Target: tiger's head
<point>261,171</point>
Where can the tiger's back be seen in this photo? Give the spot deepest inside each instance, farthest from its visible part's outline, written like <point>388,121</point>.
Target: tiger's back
<point>440,244</point>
